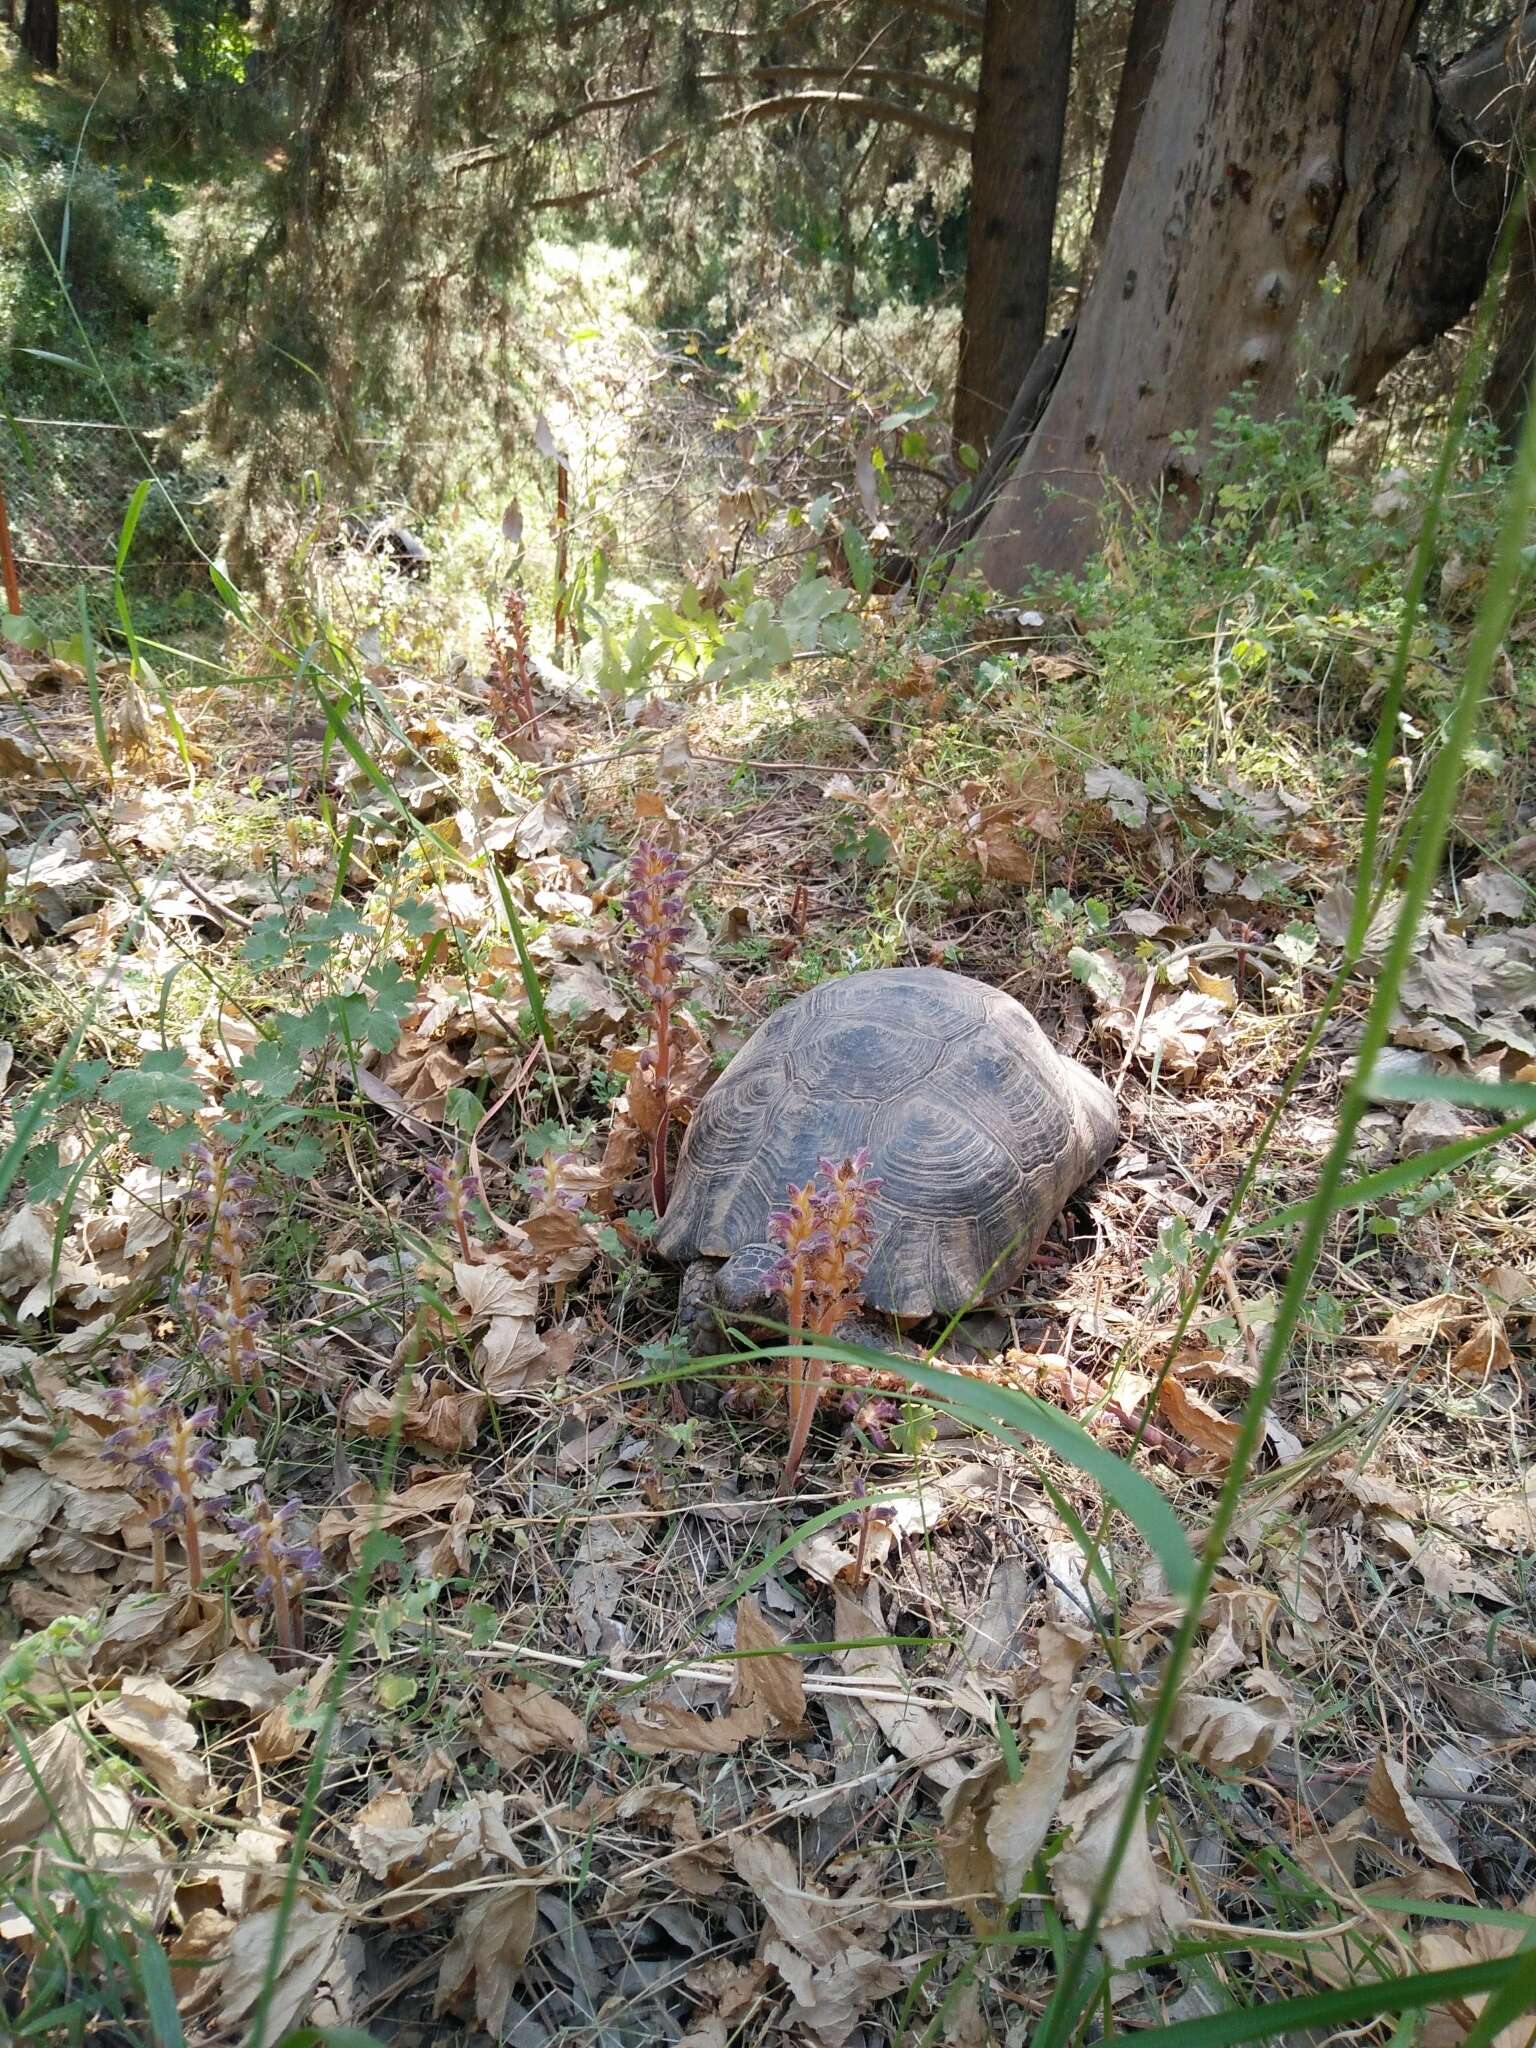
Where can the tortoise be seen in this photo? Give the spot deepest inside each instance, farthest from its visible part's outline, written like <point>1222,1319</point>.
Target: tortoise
<point>977,1129</point>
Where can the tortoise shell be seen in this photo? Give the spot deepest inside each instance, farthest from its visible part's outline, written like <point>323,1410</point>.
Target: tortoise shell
<point>977,1128</point>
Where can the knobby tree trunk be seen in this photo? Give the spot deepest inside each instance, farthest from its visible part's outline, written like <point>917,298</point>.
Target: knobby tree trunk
<point>1016,144</point>
<point>39,33</point>
<point>1288,213</point>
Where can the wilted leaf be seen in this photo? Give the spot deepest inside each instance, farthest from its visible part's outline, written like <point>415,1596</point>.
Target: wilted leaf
<point>904,1721</point>
<point>995,1825</point>
<point>510,1355</point>
<point>420,1860</point>
<point>483,1961</point>
<point>1220,987</point>
<point>1393,1807</point>
<point>1494,893</point>
<point>823,1947</point>
<point>290,1725</point>
<point>672,1730</point>
<point>1142,1906</point>
<point>523,1721</point>
<point>773,1676</point>
<point>28,1503</point>
<point>1221,1732</point>
<point>1195,1419</point>
<point>1486,1350</point>
<point>315,1976</point>
<point>1126,797</point>
<point>150,1719</point>
<point>437,1415</point>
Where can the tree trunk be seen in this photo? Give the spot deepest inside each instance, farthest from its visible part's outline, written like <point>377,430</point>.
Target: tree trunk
<point>119,24</point>
<point>39,33</point>
<point>1026,69</point>
<point>1143,48</point>
<point>1288,212</point>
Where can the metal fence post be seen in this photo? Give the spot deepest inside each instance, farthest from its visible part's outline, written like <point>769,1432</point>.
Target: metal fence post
<point>8,560</point>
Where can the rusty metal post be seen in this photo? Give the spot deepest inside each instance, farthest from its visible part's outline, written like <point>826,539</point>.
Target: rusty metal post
<point>8,560</point>
<point>562,553</point>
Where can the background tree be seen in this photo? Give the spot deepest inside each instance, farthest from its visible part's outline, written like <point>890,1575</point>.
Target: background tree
<point>1017,138</point>
<point>1301,200</point>
<point>39,33</point>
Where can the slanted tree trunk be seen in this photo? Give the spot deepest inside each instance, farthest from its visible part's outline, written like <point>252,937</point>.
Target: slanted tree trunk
<point>1016,144</point>
<point>1143,48</point>
<point>1288,213</point>
<point>39,33</point>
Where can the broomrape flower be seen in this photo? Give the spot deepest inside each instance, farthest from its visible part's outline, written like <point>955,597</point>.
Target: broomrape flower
<point>548,1187</point>
<point>655,907</point>
<point>224,1312</point>
<point>172,1462</point>
<point>281,1561</point>
<point>452,1193</point>
<point>827,1237</point>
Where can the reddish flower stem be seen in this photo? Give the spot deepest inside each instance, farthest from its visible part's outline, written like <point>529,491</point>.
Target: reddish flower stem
<point>663,1080</point>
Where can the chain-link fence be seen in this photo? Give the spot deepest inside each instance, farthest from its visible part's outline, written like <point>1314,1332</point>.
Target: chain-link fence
<point>68,485</point>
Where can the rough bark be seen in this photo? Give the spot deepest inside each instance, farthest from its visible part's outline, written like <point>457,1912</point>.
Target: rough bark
<point>39,33</point>
<point>1016,144</point>
<point>1493,90</point>
<point>1289,213</point>
<point>1143,48</point>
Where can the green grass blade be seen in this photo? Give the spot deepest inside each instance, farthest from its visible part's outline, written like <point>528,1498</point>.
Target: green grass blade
<point>532,987</point>
<point>1006,1413</point>
<point>1461,1088</point>
<point>1501,591</point>
<point>93,681</point>
<point>1350,2005</point>
<point>130,524</point>
<point>1391,1180</point>
<point>159,1992</point>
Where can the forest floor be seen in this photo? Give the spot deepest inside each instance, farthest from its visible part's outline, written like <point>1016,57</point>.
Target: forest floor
<point>595,1734</point>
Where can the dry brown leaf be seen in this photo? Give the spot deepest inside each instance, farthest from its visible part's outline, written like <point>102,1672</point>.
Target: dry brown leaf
<point>822,1946</point>
<point>1223,1733</point>
<point>671,1729</point>
<point>28,1504</point>
<point>522,1721</point>
<point>1196,1420</point>
<point>994,1824</point>
<point>289,1727</point>
<point>424,1501</point>
<point>605,1560</point>
<point>438,1414</point>
<point>905,1723</point>
<point>1220,987</point>
<point>1409,1329</point>
<point>316,1976</point>
<point>998,846</point>
<point>1393,1807</point>
<point>483,1961</point>
<point>202,1940</point>
<point>420,1861</point>
<point>376,1829</point>
<point>1486,1350</point>
<point>1449,1948</point>
<point>51,1792</point>
<point>510,1355</point>
<point>150,1719</point>
<point>1142,1906</point>
<point>775,1681</point>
